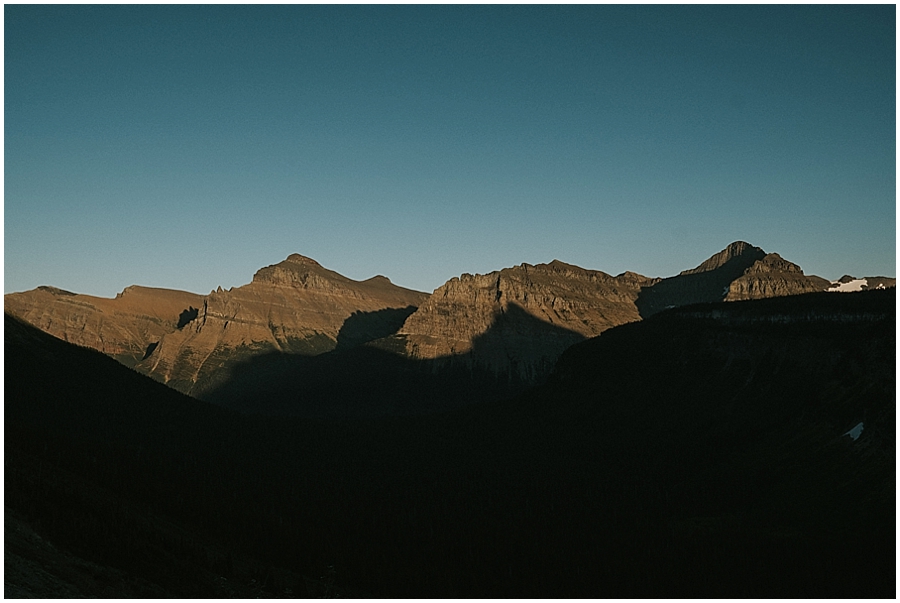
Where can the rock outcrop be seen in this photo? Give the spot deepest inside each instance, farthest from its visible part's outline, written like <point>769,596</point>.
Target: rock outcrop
<point>518,320</point>
<point>773,276</point>
<point>123,327</point>
<point>295,307</point>
<point>740,271</point>
<point>735,256</point>
<point>508,326</point>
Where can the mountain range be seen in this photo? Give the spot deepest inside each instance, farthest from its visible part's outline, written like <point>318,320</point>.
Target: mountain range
<point>715,450</point>
<point>298,328</point>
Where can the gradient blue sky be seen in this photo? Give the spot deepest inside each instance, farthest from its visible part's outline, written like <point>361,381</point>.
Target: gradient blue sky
<point>186,147</point>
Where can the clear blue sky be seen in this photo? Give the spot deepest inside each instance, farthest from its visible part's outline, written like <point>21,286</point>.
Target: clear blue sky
<point>186,147</point>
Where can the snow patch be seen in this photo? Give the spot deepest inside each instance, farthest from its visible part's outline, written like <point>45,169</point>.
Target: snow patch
<point>854,285</point>
<point>855,432</point>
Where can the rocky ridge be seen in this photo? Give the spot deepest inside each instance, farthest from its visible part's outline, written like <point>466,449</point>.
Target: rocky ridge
<point>518,320</point>
<point>295,307</point>
<point>521,317</point>
<point>122,327</point>
<point>740,271</point>
<point>511,323</point>
<point>773,276</point>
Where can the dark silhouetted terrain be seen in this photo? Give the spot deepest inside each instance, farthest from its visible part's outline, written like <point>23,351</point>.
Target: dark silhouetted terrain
<point>704,452</point>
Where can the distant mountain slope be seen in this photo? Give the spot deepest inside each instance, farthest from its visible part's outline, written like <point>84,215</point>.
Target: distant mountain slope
<point>847,283</point>
<point>481,320</point>
<point>480,336</point>
<point>123,327</point>
<point>773,276</point>
<point>467,321</point>
<point>293,307</point>
<point>740,271</point>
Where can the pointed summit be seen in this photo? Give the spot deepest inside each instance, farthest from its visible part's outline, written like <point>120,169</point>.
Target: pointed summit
<point>739,249</point>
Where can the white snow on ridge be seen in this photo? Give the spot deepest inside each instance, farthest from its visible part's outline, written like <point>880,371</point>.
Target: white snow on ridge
<point>854,285</point>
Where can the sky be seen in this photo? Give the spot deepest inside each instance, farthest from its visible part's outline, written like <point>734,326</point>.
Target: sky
<point>188,146</point>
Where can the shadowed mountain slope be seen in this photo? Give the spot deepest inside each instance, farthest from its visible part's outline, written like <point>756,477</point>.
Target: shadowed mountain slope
<point>740,271</point>
<point>477,337</point>
<point>756,441</point>
<point>705,452</point>
<point>118,486</point>
<point>581,302</point>
<point>122,327</point>
<point>379,378</point>
<point>293,307</point>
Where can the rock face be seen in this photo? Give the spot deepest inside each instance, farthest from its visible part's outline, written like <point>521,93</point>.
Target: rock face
<point>740,271</point>
<point>503,330</point>
<point>519,319</point>
<point>123,327</point>
<point>773,276</point>
<point>737,254</point>
<point>295,307</point>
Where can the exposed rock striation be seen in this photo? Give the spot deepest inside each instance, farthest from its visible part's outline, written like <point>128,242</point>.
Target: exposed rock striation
<point>123,327</point>
<point>740,271</point>
<point>735,256</point>
<point>295,307</point>
<point>519,319</point>
<point>773,276</point>
<point>507,327</point>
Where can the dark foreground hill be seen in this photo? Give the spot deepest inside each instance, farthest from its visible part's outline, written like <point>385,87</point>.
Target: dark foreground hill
<point>705,452</point>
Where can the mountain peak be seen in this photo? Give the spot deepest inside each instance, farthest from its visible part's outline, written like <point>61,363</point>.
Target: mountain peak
<point>296,270</point>
<point>774,263</point>
<point>738,249</point>
<point>301,259</point>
